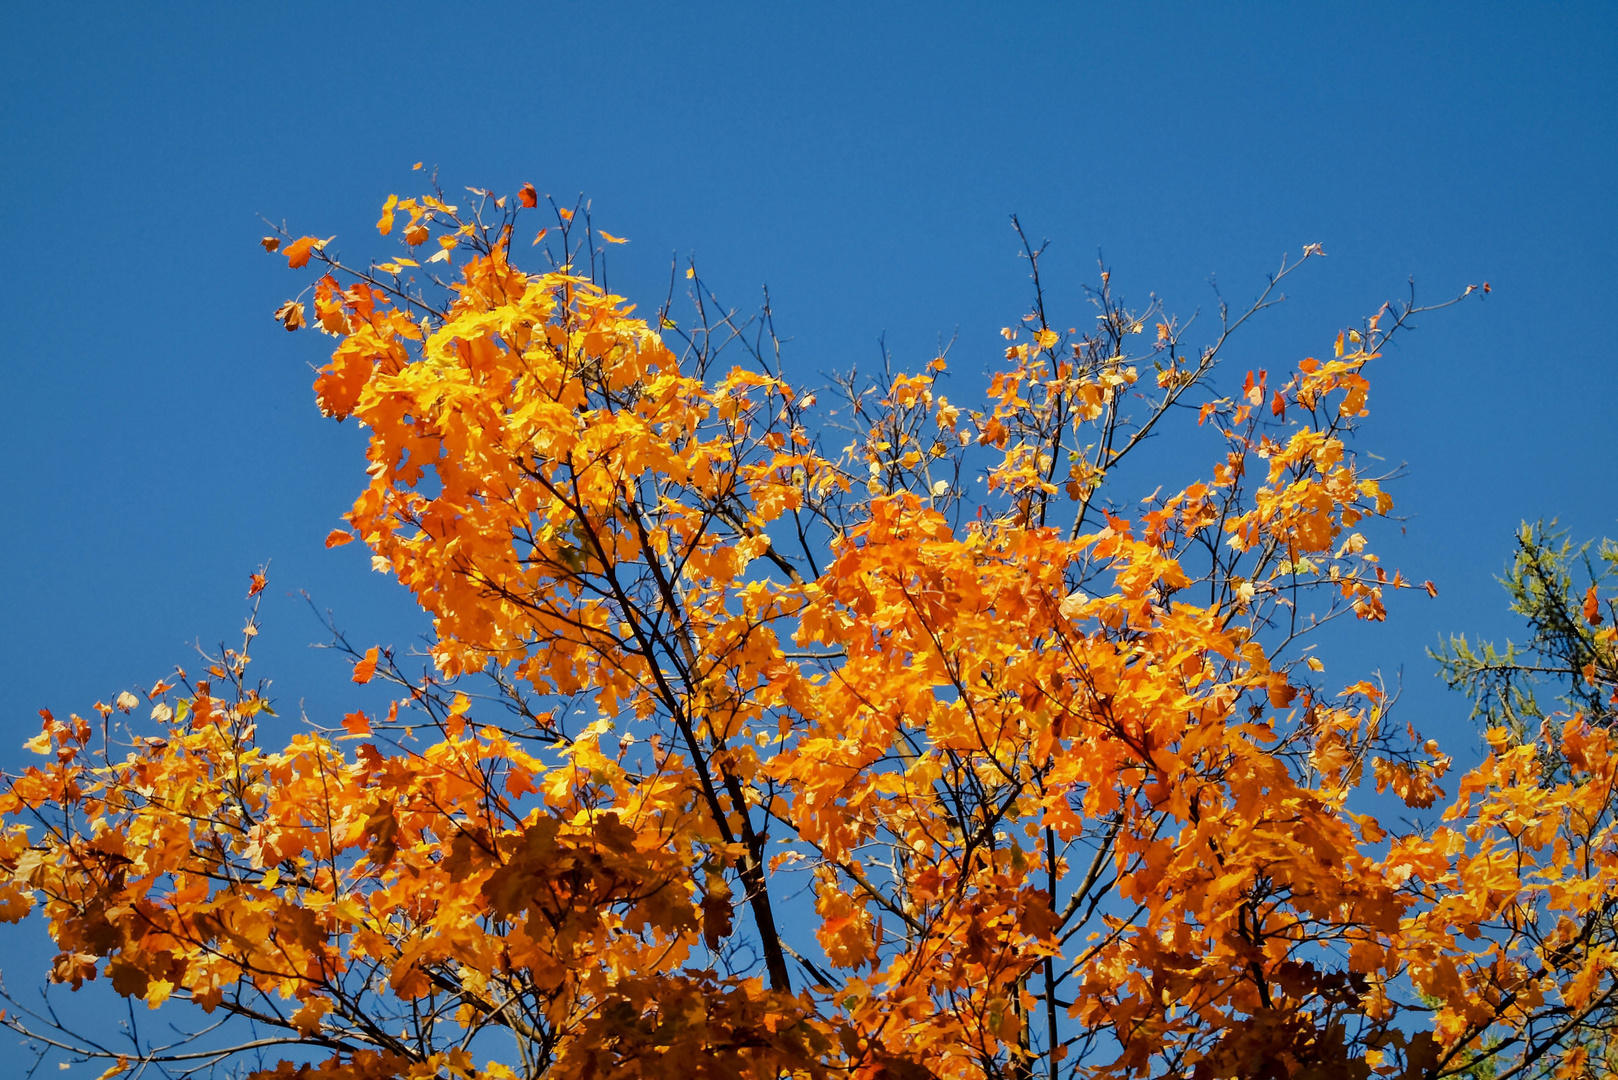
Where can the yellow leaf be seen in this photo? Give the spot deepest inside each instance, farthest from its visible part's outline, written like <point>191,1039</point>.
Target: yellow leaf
<point>157,992</point>
<point>384,224</point>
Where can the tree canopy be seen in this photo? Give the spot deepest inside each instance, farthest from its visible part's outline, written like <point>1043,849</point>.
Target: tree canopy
<point>859,730</point>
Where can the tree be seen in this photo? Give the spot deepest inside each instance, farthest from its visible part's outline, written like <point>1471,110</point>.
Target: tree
<point>882,772</point>
<point>1571,630</point>
<point>1563,594</point>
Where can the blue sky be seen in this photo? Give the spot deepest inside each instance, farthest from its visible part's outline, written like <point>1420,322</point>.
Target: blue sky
<point>862,161</point>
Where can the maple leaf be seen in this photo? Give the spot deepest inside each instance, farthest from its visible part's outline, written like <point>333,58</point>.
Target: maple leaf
<point>298,252</point>
<point>366,666</point>
<point>291,315</point>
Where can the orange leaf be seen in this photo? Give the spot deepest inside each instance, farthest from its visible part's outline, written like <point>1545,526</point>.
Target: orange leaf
<point>256,583</point>
<point>611,239</point>
<point>384,224</point>
<point>338,537</point>
<point>298,252</point>
<point>1278,405</point>
<point>271,243</point>
<point>567,215</point>
<point>1432,590</point>
<point>356,723</point>
<point>540,237</point>
<point>1592,607</point>
<point>366,667</point>
<point>528,196</point>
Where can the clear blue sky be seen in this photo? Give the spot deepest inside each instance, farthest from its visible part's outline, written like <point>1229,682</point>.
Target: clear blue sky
<point>862,160</point>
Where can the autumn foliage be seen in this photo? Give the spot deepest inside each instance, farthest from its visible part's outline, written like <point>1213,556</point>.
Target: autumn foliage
<point>887,736</point>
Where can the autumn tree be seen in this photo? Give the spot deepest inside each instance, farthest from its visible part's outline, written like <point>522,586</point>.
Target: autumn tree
<point>1564,673</point>
<point>887,729</point>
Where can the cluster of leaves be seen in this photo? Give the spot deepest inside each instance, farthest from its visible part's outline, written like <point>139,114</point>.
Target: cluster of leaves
<point>1557,590</point>
<point>1565,598</point>
<point>884,773</point>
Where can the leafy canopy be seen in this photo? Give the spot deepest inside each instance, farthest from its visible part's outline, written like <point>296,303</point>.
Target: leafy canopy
<point>884,736</point>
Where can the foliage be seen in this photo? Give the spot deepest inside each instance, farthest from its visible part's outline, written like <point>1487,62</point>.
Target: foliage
<point>1562,593</point>
<point>1571,631</point>
<point>882,771</point>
